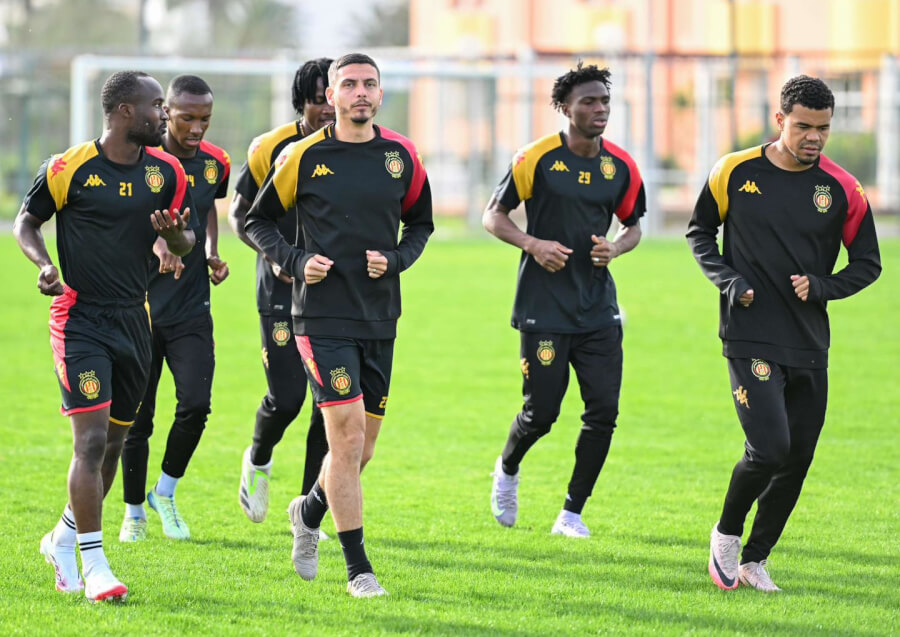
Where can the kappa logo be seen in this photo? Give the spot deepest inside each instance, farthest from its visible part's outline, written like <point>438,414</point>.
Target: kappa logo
<point>750,187</point>
<point>265,357</point>
<point>58,165</point>
<point>859,189</point>
<point>740,395</point>
<point>559,166</point>
<point>526,369</point>
<point>321,171</point>
<point>93,181</point>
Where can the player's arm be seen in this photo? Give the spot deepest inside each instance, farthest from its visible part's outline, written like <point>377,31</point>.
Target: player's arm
<point>275,198</point>
<point>237,218</point>
<point>218,269</point>
<point>550,255</point>
<point>418,224</point>
<point>626,240</point>
<point>701,236</point>
<point>27,230</point>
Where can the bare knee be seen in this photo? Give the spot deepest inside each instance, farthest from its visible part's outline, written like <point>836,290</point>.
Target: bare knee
<point>90,448</point>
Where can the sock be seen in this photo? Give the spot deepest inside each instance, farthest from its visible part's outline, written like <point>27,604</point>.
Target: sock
<point>265,468</point>
<point>166,484</point>
<point>573,517</point>
<point>314,507</point>
<point>92,556</point>
<point>64,531</point>
<point>574,504</point>
<point>135,511</point>
<point>354,548</point>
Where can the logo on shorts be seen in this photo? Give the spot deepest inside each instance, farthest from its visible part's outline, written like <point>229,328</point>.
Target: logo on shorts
<point>89,384</point>
<point>211,172</point>
<point>760,369</point>
<point>154,179</point>
<point>281,333</point>
<point>525,369</point>
<point>607,167</point>
<point>822,198</point>
<point>545,352</point>
<point>340,381</point>
<point>393,164</point>
<point>740,395</point>
<point>265,357</point>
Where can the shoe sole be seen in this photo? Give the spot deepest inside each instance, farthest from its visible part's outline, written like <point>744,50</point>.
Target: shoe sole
<point>49,559</point>
<point>762,590</point>
<point>564,534</point>
<point>115,594</point>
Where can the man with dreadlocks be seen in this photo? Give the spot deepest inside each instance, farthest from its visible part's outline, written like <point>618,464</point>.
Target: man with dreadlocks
<point>281,360</point>
<point>785,208</point>
<point>572,183</point>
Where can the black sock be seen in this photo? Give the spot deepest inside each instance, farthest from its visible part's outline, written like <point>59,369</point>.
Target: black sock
<point>574,504</point>
<point>354,548</point>
<point>314,507</point>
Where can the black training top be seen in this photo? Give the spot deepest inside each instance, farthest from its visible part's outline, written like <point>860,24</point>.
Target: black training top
<point>567,199</point>
<point>350,198</point>
<point>103,232</point>
<point>172,301</point>
<point>273,296</point>
<point>779,223</point>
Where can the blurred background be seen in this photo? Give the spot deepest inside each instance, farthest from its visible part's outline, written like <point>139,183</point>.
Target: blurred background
<point>469,80</point>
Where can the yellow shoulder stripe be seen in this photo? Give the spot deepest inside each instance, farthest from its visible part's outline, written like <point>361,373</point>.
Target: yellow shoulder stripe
<point>61,169</point>
<point>721,174</point>
<point>259,156</point>
<point>525,163</point>
<point>287,168</point>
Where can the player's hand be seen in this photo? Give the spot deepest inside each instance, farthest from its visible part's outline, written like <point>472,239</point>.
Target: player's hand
<point>746,298</point>
<point>316,269</point>
<point>801,286</point>
<point>603,251</point>
<point>550,255</point>
<point>170,225</point>
<point>218,269</point>
<point>168,262</point>
<point>280,274</point>
<point>376,264</point>
<point>48,281</point>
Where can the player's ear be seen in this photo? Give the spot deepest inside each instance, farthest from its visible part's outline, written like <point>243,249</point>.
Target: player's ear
<point>125,110</point>
<point>380,96</point>
<point>779,120</point>
<point>329,95</point>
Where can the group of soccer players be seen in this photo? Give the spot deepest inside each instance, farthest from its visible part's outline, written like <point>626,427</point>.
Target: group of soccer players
<point>322,200</point>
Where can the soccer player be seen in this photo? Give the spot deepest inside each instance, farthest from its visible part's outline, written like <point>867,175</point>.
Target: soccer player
<point>786,208</point>
<point>281,360</point>
<point>181,320</point>
<point>353,183</point>
<point>113,198</point>
<point>572,183</point>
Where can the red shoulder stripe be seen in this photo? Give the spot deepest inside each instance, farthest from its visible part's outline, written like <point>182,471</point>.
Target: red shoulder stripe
<point>180,178</point>
<point>626,207</point>
<point>857,204</point>
<point>418,178</point>
<point>220,155</point>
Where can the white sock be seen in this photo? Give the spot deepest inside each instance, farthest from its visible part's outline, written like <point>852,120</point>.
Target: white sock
<point>92,557</point>
<point>265,468</point>
<point>64,531</point>
<point>166,484</point>
<point>574,517</point>
<point>135,511</point>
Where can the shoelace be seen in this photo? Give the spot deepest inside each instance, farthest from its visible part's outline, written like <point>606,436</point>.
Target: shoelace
<point>308,548</point>
<point>763,574</point>
<point>506,491</point>
<point>168,505</point>
<point>366,583</point>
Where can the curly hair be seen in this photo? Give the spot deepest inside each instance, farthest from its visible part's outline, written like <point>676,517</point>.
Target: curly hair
<point>581,74</point>
<point>303,89</point>
<point>807,91</point>
<point>120,88</point>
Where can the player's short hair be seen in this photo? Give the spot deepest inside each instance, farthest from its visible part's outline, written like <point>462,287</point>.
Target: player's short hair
<point>303,89</point>
<point>347,60</point>
<point>188,84</point>
<point>120,88</point>
<point>807,91</point>
<point>581,74</point>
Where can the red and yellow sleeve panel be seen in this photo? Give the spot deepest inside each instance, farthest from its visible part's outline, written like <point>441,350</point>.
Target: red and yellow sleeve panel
<point>61,170</point>
<point>220,156</point>
<point>259,155</point>
<point>721,174</point>
<point>857,203</point>
<point>526,160</point>
<point>180,178</point>
<point>418,177</point>
<point>626,206</point>
<point>287,168</point>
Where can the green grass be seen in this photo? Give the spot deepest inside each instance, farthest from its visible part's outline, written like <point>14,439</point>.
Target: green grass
<point>449,567</point>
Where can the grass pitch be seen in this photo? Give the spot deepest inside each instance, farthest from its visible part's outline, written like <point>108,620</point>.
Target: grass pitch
<point>449,567</point>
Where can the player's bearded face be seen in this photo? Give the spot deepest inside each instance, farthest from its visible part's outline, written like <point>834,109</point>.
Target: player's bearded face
<point>149,121</point>
<point>804,132</point>
<point>357,94</point>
